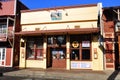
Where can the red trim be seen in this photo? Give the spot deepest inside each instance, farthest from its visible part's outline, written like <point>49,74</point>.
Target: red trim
<point>61,31</point>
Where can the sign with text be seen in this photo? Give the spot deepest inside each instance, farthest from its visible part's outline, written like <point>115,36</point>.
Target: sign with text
<point>80,65</point>
<point>85,43</point>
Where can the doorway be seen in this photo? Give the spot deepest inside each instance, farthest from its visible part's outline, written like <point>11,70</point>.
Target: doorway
<point>56,57</point>
<point>56,51</point>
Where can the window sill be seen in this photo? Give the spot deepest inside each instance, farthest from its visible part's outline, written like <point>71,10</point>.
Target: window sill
<point>34,59</point>
<point>81,60</point>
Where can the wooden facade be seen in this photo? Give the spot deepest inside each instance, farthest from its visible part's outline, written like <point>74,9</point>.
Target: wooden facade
<point>62,37</point>
<point>9,21</point>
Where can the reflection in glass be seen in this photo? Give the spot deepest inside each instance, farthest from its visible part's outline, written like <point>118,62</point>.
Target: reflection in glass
<point>58,54</point>
<point>75,54</point>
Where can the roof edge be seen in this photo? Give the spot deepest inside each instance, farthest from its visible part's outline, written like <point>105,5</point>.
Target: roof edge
<point>59,7</point>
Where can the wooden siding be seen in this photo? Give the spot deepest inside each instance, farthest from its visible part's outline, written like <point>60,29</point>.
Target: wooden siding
<point>7,8</point>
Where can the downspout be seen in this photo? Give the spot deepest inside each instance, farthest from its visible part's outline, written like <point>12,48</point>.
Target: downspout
<point>14,24</point>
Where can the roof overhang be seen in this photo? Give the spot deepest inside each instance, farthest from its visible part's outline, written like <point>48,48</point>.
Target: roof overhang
<point>58,32</point>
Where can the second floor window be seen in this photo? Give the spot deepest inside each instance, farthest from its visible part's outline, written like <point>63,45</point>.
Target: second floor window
<point>3,28</point>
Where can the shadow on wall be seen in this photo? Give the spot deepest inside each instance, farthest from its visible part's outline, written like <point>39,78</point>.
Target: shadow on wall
<point>8,69</point>
<point>113,75</point>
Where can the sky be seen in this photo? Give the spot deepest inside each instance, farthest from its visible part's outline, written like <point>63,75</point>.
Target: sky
<point>36,4</point>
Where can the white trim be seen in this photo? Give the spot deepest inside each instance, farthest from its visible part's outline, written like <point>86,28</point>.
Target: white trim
<point>11,57</point>
<point>1,49</point>
<point>15,6</point>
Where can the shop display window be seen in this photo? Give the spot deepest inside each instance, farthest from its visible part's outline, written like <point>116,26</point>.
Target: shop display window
<point>58,54</point>
<point>75,54</point>
<point>85,54</point>
<point>35,48</point>
<point>56,40</point>
<point>80,47</point>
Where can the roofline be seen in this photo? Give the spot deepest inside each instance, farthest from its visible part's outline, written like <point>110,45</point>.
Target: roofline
<point>59,7</point>
<point>112,7</point>
<point>23,4</point>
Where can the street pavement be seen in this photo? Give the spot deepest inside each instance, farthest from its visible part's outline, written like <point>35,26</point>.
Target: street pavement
<point>60,74</point>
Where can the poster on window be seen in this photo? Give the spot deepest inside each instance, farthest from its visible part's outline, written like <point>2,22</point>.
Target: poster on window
<point>81,65</point>
<point>85,43</point>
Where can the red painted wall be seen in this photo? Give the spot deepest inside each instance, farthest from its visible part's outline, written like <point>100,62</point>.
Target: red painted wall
<point>108,26</point>
<point>7,7</point>
<point>8,56</point>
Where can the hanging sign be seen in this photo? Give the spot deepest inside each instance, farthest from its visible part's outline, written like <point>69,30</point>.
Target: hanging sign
<point>75,44</point>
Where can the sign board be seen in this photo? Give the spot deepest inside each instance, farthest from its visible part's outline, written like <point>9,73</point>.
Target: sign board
<point>85,43</point>
<point>80,65</point>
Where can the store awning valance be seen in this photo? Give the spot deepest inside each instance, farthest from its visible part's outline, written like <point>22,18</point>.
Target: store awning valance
<point>60,31</point>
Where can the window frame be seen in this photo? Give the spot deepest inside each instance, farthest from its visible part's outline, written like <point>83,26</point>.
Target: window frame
<point>3,28</point>
<point>34,49</point>
<point>80,39</point>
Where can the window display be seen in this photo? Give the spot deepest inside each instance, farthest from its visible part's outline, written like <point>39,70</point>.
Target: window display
<point>58,54</point>
<point>80,47</point>
<point>35,48</point>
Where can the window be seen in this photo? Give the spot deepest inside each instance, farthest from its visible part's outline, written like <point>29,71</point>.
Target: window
<point>80,47</point>
<point>85,54</point>
<point>75,54</point>
<point>3,29</point>
<point>59,40</point>
<point>35,48</point>
<point>85,50</point>
<point>58,53</point>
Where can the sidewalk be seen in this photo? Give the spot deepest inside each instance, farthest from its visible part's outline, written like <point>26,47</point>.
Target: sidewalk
<point>65,75</point>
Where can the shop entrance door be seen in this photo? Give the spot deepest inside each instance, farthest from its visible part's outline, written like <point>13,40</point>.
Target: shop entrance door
<point>58,57</point>
<point>2,56</point>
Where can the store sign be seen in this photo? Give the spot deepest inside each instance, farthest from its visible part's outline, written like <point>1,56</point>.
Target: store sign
<point>80,65</point>
<point>75,44</point>
<point>85,43</point>
<point>56,15</point>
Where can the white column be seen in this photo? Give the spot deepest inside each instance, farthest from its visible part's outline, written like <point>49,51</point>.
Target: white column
<point>22,63</point>
<point>68,54</point>
<point>44,53</point>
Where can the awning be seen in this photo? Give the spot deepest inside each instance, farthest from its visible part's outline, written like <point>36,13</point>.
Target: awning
<point>60,31</point>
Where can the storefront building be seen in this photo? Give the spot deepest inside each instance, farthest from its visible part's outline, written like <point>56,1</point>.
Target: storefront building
<point>9,24</point>
<point>61,37</point>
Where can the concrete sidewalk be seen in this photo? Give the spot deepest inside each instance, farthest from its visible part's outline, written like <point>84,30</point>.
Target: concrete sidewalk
<point>65,75</point>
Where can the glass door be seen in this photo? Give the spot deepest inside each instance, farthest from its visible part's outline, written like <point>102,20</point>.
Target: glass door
<point>2,56</point>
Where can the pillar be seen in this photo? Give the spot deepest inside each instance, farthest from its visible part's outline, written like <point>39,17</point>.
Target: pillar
<point>22,63</point>
<point>68,52</point>
<point>45,52</point>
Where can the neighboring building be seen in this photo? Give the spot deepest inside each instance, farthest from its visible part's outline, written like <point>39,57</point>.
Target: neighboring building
<point>9,24</point>
<point>61,37</point>
<point>110,18</point>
